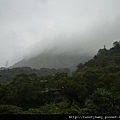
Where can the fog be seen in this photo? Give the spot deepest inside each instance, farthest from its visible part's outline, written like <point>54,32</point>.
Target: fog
<point>31,27</point>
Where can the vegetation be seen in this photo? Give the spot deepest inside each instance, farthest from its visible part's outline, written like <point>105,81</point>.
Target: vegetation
<point>93,88</point>
<point>7,74</point>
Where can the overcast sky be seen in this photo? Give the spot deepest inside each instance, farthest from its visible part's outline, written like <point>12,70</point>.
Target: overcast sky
<point>29,27</point>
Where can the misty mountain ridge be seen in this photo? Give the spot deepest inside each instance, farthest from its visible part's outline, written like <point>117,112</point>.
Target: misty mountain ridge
<point>53,59</point>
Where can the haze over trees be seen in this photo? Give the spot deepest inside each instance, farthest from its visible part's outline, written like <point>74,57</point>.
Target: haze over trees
<point>93,88</point>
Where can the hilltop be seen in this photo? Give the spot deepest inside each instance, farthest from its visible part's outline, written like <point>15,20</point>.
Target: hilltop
<point>104,58</point>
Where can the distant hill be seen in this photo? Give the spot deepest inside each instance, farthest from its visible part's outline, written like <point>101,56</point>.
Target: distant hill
<point>49,60</point>
<point>2,68</point>
<point>7,75</point>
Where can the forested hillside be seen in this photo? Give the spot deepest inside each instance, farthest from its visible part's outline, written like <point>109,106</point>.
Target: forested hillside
<point>7,75</point>
<point>104,58</point>
<point>93,88</point>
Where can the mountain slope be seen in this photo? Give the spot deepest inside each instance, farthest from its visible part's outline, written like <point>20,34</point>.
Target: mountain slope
<point>49,60</point>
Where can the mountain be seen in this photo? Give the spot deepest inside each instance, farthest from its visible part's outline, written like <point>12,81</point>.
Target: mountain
<point>53,60</point>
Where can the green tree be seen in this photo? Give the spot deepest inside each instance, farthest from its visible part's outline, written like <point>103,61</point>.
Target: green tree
<point>10,109</point>
<point>102,102</point>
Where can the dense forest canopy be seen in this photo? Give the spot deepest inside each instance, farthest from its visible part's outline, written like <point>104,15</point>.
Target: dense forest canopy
<point>93,88</point>
<point>7,74</point>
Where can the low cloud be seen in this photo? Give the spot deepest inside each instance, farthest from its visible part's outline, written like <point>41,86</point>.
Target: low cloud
<point>31,27</point>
